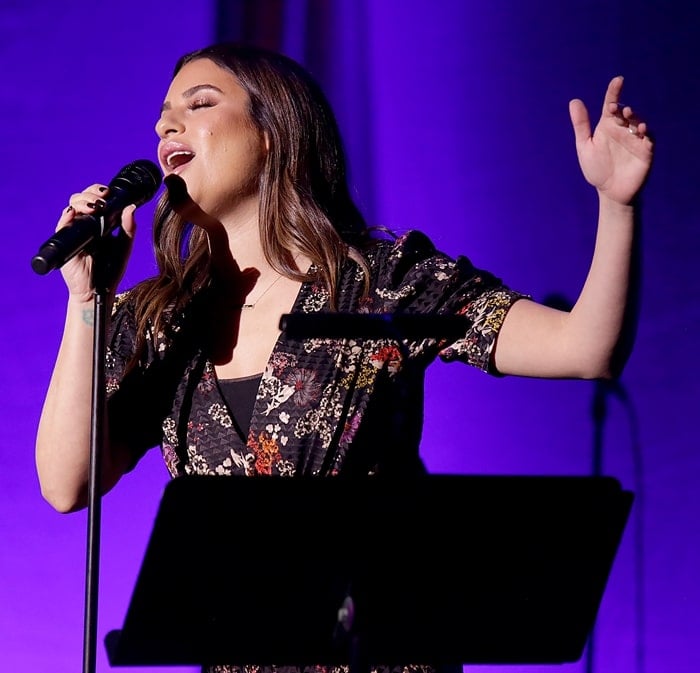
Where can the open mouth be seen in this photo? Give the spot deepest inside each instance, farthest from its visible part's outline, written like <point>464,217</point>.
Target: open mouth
<point>178,159</point>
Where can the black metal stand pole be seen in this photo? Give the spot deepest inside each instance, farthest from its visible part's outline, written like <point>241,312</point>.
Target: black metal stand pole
<point>97,442</point>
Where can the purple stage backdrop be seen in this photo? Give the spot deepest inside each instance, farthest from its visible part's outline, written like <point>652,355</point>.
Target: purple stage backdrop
<point>456,121</point>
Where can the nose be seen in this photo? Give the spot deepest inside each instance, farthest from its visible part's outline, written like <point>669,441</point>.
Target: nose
<point>168,124</point>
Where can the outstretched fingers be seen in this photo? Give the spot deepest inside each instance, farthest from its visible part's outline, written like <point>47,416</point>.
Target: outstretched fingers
<point>611,101</point>
<point>622,114</point>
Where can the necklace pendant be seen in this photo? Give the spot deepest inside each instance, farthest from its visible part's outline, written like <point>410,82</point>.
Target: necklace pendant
<point>248,307</point>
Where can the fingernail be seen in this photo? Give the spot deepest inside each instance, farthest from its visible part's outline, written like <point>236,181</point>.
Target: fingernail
<point>102,189</point>
<point>69,209</point>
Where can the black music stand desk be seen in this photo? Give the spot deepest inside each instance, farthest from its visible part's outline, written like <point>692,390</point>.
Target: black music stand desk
<point>439,569</point>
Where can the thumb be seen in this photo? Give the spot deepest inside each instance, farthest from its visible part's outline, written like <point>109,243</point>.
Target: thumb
<point>580,121</point>
<point>128,222</point>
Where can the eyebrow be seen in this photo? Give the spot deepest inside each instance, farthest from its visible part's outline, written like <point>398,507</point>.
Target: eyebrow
<point>188,93</point>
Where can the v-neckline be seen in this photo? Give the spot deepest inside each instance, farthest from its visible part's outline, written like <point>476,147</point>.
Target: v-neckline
<point>302,295</point>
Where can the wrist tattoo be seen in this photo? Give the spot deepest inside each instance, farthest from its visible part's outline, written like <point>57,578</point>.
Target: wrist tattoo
<point>89,316</point>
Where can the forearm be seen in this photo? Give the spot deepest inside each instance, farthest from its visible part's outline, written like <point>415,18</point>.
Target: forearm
<point>539,341</point>
<point>597,320</point>
<point>63,437</point>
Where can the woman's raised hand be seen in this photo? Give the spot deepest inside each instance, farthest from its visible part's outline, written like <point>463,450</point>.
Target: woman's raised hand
<point>616,157</point>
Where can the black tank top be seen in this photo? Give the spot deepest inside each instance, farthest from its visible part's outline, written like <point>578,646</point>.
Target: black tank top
<point>240,397</point>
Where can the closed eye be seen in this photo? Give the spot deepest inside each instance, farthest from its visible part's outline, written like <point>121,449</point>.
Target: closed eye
<point>197,103</point>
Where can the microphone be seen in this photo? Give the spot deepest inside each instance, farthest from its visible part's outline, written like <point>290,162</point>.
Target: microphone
<point>135,183</point>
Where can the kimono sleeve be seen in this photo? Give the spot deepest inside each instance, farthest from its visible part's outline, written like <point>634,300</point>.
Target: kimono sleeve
<point>419,278</point>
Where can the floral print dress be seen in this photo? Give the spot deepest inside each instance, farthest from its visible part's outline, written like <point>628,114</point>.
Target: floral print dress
<point>325,406</point>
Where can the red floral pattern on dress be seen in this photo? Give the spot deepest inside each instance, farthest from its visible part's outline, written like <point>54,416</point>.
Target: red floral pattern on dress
<point>266,453</point>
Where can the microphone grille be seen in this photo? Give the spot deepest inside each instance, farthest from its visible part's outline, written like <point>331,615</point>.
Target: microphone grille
<point>141,178</point>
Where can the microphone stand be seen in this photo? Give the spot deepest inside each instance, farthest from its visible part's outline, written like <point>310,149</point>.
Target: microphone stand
<point>100,272</point>
<point>135,184</point>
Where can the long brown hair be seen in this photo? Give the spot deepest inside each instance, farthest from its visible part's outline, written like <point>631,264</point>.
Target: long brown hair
<point>305,204</point>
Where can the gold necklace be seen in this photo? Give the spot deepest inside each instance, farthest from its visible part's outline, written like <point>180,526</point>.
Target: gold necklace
<point>249,307</point>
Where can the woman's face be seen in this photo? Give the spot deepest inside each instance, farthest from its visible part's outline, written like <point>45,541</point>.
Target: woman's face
<point>208,139</point>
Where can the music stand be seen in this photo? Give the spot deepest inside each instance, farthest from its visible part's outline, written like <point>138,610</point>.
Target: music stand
<point>441,569</point>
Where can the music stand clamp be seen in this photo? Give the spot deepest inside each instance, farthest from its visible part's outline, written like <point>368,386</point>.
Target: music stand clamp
<point>438,569</point>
